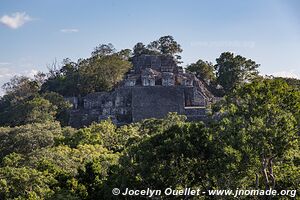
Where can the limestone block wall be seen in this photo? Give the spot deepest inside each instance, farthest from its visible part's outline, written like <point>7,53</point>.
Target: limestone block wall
<point>133,104</point>
<point>158,101</point>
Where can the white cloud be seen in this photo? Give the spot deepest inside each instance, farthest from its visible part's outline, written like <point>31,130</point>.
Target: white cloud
<point>69,30</point>
<point>15,20</point>
<point>287,74</point>
<point>8,73</point>
<point>30,73</point>
<point>4,63</point>
<point>5,72</point>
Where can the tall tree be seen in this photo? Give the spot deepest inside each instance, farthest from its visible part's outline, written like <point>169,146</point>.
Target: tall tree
<point>25,183</point>
<point>259,130</point>
<point>63,106</point>
<point>20,88</point>
<point>102,73</point>
<point>37,110</point>
<point>204,70</point>
<point>104,50</point>
<point>64,80</point>
<point>234,70</point>
<point>125,54</point>
<point>166,45</point>
<point>140,49</point>
<point>27,138</point>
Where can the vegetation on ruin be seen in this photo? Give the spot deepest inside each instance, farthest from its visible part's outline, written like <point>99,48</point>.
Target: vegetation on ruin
<point>250,141</point>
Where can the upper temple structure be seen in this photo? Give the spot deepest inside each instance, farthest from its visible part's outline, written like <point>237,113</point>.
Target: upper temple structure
<point>154,87</point>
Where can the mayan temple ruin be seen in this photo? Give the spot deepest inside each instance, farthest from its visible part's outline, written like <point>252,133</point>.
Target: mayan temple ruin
<point>155,86</point>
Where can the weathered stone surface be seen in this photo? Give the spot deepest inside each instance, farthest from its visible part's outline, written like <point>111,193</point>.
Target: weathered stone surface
<point>148,102</point>
<point>155,87</point>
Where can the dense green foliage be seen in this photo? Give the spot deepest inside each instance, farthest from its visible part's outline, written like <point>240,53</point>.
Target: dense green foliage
<point>104,69</point>
<point>231,70</point>
<point>251,140</point>
<point>100,72</point>
<point>204,70</point>
<point>260,131</point>
<point>24,103</point>
<point>254,144</point>
<point>165,45</point>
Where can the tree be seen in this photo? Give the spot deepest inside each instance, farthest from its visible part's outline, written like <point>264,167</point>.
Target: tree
<point>170,153</point>
<point>21,86</point>
<point>102,73</point>
<point>63,160</point>
<point>23,104</point>
<point>25,183</point>
<point>17,90</point>
<point>104,50</point>
<point>35,110</point>
<point>40,79</point>
<point>140,49</point>
<point>290,81</point>
<point>165,45</point>
<point>204,70</point>
<point>64,80</point>
<point>91,180</point>
<point>28,138</point>
<point>259,131</point>
<point>38,110</point>
<point>104,133</point>
<point>155,126</point>
<point>234,70</point>
<point>125,54</point>
<point>62,106</point>
<point>179,157</point>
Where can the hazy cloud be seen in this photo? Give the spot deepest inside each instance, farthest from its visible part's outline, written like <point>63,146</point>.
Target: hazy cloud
<point>7,73</point>
<point>287,74</point>
<point>69,30</point>
<point>4,63</point>
<point>30,73</point>
<point>15,20</point>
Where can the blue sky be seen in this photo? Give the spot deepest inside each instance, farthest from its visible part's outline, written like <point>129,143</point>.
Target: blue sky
<point>34,33</point>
